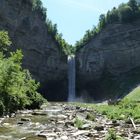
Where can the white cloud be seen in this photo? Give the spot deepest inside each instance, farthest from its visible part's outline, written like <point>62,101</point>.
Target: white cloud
<point>82,4</point>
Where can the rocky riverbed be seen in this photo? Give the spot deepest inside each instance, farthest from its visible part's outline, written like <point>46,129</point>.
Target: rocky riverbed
<point>60,121</point>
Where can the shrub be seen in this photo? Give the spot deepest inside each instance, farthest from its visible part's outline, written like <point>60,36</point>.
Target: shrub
<point>112,135</point>
<point>4,41</point>
<point>125,13</point>
<point>78,123</point>
<point>90,117</point>
<point>17,88</point>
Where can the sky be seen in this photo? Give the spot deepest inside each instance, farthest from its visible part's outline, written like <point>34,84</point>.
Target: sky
<point>74,17</point>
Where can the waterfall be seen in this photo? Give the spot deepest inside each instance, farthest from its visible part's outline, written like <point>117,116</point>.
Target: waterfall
<point>71,78</point>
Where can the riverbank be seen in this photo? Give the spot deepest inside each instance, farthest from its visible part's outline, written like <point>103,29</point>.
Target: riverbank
<point>62,121</point>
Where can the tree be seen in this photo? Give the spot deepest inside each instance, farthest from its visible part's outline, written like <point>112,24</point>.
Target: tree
<point>112,16</point>
<point>102,21</point>
<point>133,4</point>
<point>125,13</point>
<point>17,88</point>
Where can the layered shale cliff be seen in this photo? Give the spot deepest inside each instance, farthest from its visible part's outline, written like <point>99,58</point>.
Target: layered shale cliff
<point>42,55</point>
<point>109,65</point>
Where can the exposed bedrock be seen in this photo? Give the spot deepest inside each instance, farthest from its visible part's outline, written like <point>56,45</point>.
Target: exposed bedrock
<point>42,56</point>
<point>109,65</point>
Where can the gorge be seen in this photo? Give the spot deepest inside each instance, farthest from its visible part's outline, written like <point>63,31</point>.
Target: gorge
<point>43,56</point>
<point>52,90</point>
<point>107,66</point>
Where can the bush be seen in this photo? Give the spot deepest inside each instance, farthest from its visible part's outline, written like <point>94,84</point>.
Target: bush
<point>90,117</point>
<point>4,41</point>
<point>125,13</point>
<point>78,123</point>
<point>17,88</point>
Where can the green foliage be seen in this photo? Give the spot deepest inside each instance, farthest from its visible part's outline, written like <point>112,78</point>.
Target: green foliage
<point>17,88</point>
<point>112,135</point>
<point>78,123</point>
<point>112,16</point>
<point>38,6</point>
<point>90,117</point>
<point>128,107</point>
<point>87,37</point>
<point>4,41</point>
<point>123,14</point>
<point>63,45</point>
<point>134,95</point>
<point>102,21</point>
<point>134,5</point>
<point>51,28</point>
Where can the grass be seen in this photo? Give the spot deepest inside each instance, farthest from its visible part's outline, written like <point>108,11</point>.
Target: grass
<point>134,95</point>
<point>112,135</point>
<point>78,123</point>
<point>90,117</point>
<point>128,107</point>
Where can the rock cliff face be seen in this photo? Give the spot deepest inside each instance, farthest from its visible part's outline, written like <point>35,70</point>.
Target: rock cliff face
<point>109,63</point>
<point>42,56</point>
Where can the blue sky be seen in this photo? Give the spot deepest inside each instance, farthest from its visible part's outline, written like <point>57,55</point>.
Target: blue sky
<point>74,17</point>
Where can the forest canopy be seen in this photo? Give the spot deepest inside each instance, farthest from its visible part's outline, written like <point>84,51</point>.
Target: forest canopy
<point>125,13</point>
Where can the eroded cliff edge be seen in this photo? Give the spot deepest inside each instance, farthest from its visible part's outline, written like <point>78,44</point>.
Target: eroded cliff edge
<point>109,65</point>
<point>42,56</point>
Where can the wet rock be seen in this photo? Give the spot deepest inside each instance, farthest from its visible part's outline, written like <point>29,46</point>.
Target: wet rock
<point>99,128</point>
<point>60,126</point>
<point>42,113</point>
<point>47,134</point>
<point>51,138</point>
<point>64,138</point>
<point>20,123</point>
<point>77,107</point>
<point>137,138</point>
<point>6,125</point>
<point>23,138</point>
<point>136,131</point>
<point>81,116</point>
<point>137,121</point>
<point>80,132</point>
<point>86,126</point>
<point>42,135</point>
<point>115,123</point>
<point>25,119</point>
<point>69,123</point>
<point>61,116</point>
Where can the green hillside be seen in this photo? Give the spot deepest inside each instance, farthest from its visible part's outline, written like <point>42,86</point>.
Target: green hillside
<point>134,95</point>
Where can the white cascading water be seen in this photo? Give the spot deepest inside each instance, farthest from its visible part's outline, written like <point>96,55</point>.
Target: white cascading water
<point>71,78</point>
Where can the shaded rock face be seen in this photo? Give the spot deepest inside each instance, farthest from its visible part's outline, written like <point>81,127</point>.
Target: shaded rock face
<point>109,64</point>
<point>42,56</point>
